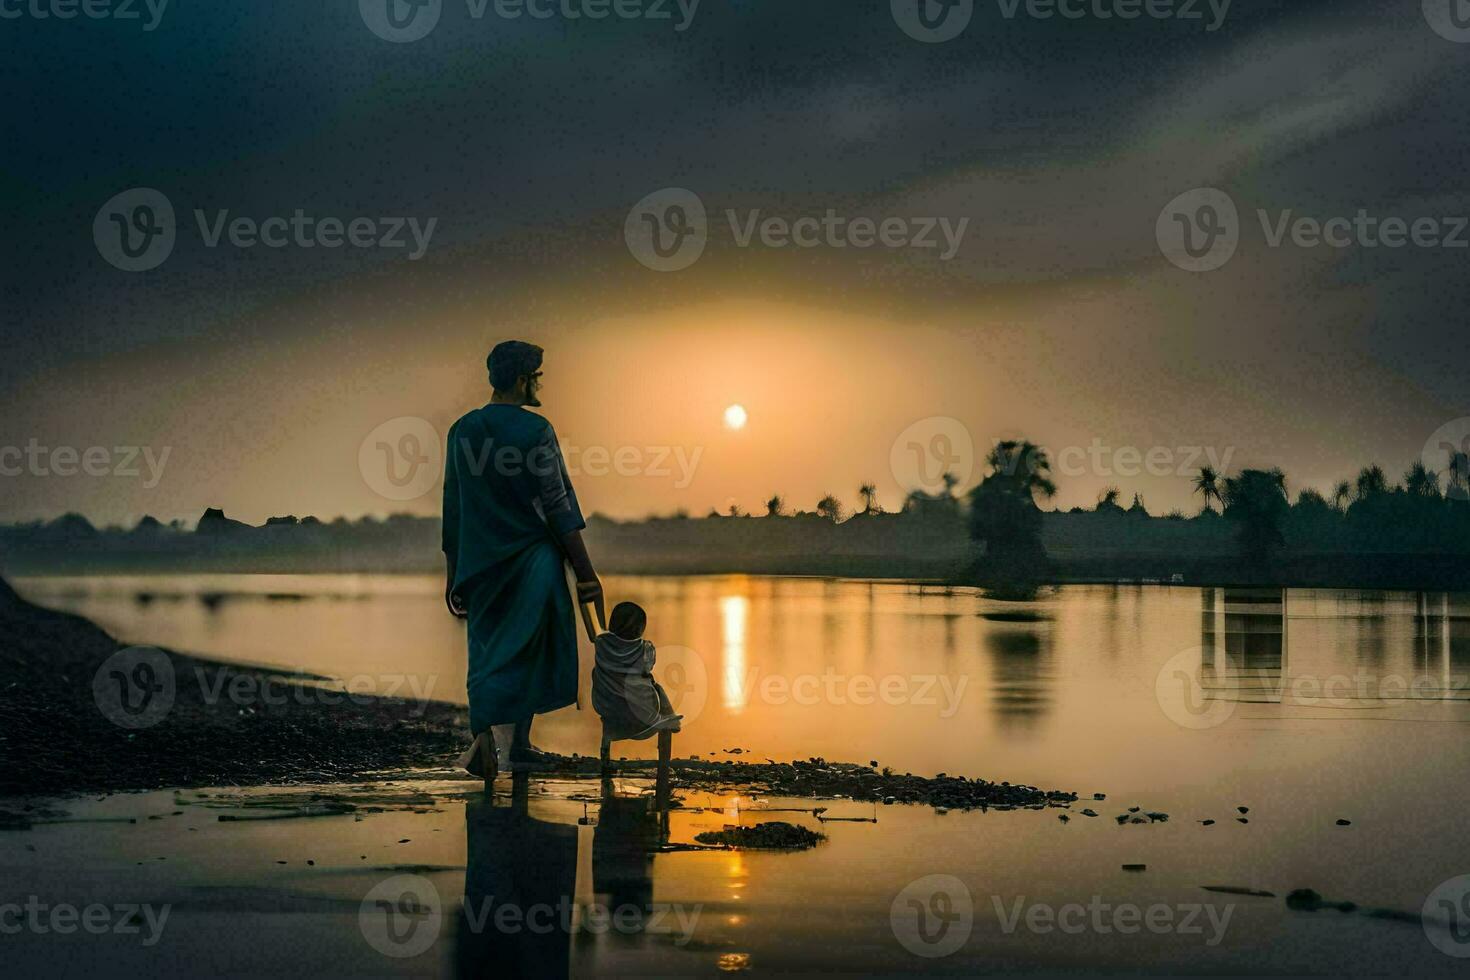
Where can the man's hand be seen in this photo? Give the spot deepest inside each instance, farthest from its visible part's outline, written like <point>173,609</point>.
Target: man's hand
<point>455,603</point>
<point>590,590</point>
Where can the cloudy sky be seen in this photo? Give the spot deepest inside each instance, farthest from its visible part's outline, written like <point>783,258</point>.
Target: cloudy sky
<point>519,146</point>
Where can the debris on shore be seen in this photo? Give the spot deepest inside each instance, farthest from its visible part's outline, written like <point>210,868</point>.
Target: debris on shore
<point>775,835</point>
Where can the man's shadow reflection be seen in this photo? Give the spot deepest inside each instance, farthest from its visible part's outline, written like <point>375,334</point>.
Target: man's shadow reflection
<point>519,889</point>
<point>518,915</point>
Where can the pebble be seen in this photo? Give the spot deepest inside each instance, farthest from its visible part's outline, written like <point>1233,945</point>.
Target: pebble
<point>1241,820</point>
<point>1243,809</point>
<point>1208,823</point>
<point>1344,823</point>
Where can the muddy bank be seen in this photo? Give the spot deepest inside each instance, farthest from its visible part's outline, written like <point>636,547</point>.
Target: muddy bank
<point>56,739</point>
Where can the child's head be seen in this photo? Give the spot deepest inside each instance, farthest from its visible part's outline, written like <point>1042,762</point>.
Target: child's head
<point>628,620</point>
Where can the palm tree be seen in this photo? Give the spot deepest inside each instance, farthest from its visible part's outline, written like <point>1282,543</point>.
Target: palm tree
<point>1342,495</point>
<point>1371,483</point>
<point>1108,499</point>
<point>1257,499</point>
<point>869,493</point>
<point>1458,487</point>
<point>1137,509</point>
<point>1421,481</point>
<point>1207,485</point>
<point>774,505</point>
<point>830,508</point>
<point>1003,511</point>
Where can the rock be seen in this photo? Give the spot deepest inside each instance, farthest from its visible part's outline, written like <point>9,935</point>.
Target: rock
<point>1243,809</point>
<point>1208,823</point>
<point>1135,867</point>
<point>1344,823</point>
<point>1134,809</point>
<point>1122,818</point>
<point>1158,817</point>
<point>1063,817</point>
<point>1241,820</point>
<point>1099,796</point>
<point>1089,812</point>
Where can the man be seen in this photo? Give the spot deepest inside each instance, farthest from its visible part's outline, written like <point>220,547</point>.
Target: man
<point>510,519</point>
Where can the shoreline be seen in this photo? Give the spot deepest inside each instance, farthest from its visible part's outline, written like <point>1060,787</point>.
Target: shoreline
<point>63,736</point>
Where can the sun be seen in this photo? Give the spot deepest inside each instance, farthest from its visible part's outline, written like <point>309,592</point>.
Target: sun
<point>735,417</point>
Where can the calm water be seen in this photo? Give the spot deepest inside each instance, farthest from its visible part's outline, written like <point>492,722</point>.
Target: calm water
<point>1306,706</point>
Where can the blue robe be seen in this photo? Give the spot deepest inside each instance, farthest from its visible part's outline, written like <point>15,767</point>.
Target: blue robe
<point>508,499</point>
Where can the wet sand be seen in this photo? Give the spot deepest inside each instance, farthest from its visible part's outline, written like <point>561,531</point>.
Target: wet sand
<point>262,881</point>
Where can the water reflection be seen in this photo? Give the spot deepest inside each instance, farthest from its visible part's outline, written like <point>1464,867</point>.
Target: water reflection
<point>1243,643</point>
<point>1021,676</point>
<point>734,611</point>
<point>519,887</point>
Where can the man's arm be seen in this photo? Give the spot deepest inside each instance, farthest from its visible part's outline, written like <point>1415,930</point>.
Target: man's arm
<point>564,515</point>
<point>450,530</point>
<point>589,588</point>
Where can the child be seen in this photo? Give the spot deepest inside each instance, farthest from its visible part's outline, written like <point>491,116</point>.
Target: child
<point>630,702</point>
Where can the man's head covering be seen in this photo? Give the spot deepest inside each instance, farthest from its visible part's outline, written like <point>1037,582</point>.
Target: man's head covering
<point>509,360</point>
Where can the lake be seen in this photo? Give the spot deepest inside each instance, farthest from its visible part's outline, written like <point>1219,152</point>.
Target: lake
<point>1308,707</point>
